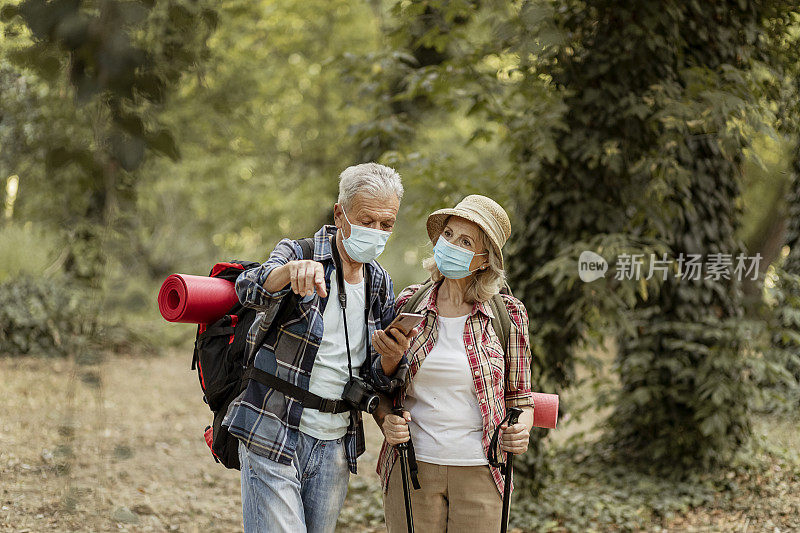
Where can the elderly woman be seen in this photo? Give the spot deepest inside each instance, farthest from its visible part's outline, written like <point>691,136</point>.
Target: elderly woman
<point>460,378</point>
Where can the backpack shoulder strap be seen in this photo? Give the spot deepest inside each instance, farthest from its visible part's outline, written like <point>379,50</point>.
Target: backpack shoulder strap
<point>501,321</point>
<point>307,245</point>
<point>416,298</point>
<point>305,397</point>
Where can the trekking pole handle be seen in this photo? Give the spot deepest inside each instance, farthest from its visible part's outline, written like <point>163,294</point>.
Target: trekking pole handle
<point>513,418</point>
<point>399,412</point>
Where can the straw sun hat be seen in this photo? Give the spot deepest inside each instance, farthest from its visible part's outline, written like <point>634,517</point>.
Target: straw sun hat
<point>484,212</point>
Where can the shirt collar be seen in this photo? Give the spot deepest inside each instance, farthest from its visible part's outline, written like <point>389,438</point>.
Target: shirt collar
<point>477,307</point>
<point>484,308</point>
<point>322,244</point>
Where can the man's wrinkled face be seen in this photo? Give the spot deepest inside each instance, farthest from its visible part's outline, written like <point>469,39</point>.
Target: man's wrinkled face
<point>368,211</point>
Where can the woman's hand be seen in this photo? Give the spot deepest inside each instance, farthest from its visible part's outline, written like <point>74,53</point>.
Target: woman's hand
<point>514,439</point>
<point>391,344</point>
<point>395,428</point>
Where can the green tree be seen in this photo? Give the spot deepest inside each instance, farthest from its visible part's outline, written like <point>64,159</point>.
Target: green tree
<point>626,127</point>
<point>99,74</point>
<point>660,98</point>
<point>265,132</point>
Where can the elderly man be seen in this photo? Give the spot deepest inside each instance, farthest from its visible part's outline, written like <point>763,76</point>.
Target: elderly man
<point>298,445</point>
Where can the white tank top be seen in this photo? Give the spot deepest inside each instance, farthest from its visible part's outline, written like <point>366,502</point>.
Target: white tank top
<point>446,424</point>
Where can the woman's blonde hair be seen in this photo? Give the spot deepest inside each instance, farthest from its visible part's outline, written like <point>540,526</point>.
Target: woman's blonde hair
<point>485,283</point>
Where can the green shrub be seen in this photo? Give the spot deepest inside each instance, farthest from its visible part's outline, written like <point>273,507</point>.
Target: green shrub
<point>44,317</point>
<point>27,251</point>
<point>592,487</point>
<point>780,383</point>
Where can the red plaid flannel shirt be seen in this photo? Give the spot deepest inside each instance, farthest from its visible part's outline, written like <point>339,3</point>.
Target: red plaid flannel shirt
<point>502,378</point>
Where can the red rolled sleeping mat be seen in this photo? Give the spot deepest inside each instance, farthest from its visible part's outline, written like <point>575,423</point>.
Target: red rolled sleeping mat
<point>545,410</point>
<point>195,299</point>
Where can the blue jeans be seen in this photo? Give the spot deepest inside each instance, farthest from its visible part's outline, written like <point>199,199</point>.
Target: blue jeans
<point>304,496</point>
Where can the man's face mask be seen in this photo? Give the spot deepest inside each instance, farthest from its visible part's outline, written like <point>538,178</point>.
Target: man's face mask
<point>364,244</point>
<point>451,260</point>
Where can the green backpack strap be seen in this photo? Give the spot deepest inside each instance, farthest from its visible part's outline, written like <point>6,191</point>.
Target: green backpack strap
<point>502,320</point>
<point>416,298</point>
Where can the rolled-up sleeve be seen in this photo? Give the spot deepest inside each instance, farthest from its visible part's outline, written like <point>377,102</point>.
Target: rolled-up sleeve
<point>250,283</point>
<point>380,380</point>
<point>517,390</point>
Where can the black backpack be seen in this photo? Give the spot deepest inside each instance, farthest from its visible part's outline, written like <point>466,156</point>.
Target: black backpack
<point>220,357</point>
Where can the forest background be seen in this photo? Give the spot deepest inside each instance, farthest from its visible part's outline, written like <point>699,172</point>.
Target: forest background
<point>143,138</point>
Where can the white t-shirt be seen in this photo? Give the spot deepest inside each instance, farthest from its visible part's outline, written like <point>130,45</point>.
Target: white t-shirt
<point>329,374</point>
<point>446,423</point>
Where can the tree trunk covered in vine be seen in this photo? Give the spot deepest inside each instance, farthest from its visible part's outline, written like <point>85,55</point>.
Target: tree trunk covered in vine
<point>651,88</point>
<point>792,264</point>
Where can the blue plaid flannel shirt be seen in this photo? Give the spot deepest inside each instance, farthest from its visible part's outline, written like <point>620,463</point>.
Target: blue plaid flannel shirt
<point>265,420</point>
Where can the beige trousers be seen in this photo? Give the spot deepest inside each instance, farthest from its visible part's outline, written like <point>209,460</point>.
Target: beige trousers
<point>451,498</point>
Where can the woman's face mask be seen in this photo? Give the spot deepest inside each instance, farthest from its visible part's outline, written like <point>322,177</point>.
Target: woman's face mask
<point>451,260</point>
<point>364,244</point>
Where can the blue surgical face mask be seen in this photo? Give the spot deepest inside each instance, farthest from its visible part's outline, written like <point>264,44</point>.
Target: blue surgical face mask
<point>451,260</point>
<point>364,244</point>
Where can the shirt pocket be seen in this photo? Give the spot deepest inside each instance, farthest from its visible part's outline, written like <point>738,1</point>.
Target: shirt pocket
<point>493,351</point>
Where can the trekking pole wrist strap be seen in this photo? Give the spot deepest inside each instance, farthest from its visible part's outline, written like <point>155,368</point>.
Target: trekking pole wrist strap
<point>511,417</point>
<point>413,467</point>
<point>408,446</point>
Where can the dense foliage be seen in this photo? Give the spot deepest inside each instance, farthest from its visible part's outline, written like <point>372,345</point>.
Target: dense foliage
<point>43,318</point>
<point>627,128</point>
<point>143,138</point>
<point>119,61</point>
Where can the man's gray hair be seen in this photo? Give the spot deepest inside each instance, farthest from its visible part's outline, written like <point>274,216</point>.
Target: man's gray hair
<point>369,178</point>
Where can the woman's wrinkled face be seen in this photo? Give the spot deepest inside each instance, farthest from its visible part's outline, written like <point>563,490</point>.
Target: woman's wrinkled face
<point>467,235</point>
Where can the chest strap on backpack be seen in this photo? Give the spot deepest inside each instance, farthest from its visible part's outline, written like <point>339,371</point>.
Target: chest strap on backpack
<point>309,400</point>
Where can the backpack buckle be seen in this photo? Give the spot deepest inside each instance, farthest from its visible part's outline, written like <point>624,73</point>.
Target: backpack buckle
<point>327,405</point>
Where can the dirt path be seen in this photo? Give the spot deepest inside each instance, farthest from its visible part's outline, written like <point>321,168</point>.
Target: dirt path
<point>116,446</point>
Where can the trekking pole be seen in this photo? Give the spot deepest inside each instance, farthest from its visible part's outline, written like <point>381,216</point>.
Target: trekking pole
<point>513,417</point>
<point>402,448</point>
